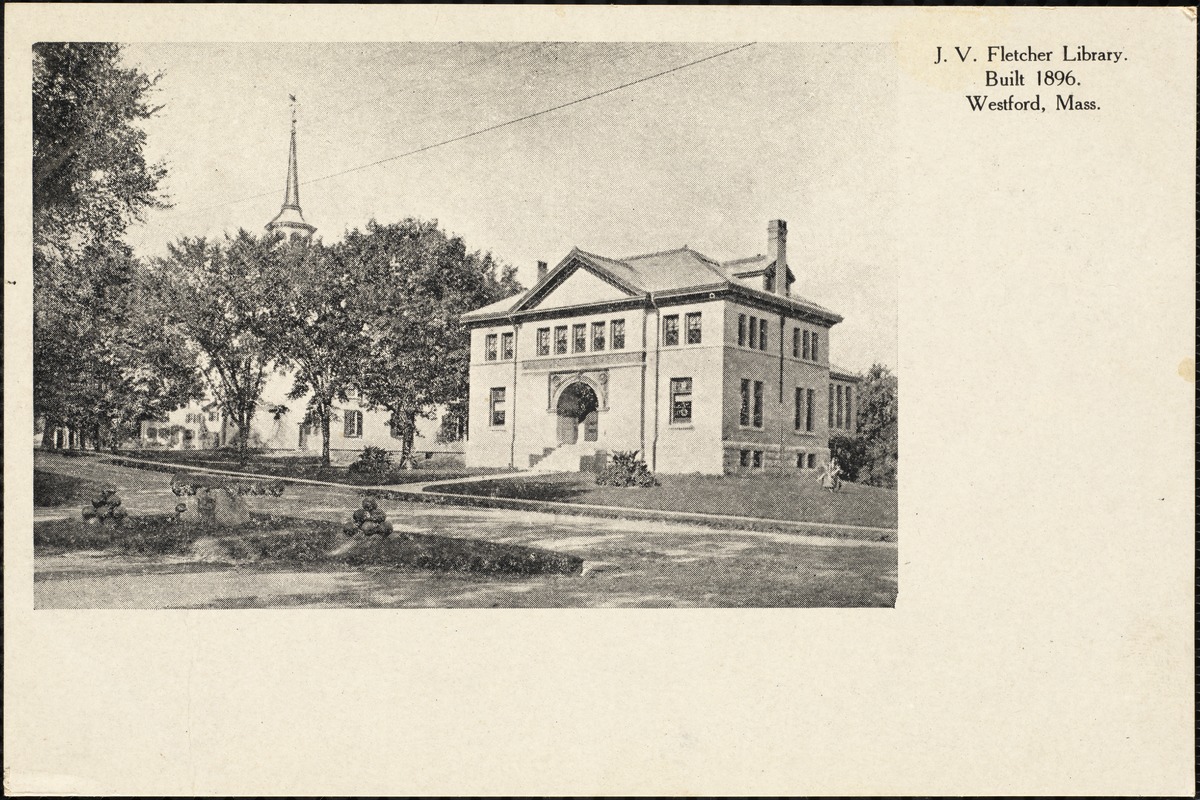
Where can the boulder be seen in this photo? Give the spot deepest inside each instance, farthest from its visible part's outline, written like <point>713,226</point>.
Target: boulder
<point>215,506</point>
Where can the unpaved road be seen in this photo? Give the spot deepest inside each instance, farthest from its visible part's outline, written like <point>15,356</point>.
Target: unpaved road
<point>629,563</point>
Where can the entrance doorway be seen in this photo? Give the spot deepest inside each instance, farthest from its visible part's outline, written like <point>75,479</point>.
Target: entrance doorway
<point>577,407</point>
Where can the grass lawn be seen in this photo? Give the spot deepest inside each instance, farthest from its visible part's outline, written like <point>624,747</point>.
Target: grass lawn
<point>53,489</point>
<point>798,499</point>
<point>303,467</point>
<point>272,541</point>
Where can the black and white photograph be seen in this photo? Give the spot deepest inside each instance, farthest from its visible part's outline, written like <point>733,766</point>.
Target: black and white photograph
<point>463,324</point>
<point>504,400</point>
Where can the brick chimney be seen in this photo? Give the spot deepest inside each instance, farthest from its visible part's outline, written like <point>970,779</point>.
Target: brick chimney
<point>777,252</point>
<point>542,270</point>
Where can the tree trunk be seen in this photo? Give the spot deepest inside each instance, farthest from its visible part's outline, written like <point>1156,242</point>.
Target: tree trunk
<point>324,414</point>
<point>243,437</point>
<point>406,443</point>
<point>97,445</point>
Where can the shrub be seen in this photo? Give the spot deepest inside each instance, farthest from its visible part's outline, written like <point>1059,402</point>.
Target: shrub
<point>626,469</point>
<point>372,461</point>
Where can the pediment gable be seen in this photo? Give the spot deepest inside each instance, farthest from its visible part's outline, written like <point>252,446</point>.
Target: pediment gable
<point>576,283</point>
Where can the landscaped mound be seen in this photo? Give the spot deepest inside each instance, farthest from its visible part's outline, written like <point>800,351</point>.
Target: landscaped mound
<point>53,489</point>
<point>285,541</point>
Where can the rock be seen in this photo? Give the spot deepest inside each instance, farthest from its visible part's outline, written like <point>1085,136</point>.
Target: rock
<point>89,513</point>
<point>370,528</point>
<point>114,501</point>
<point>360,515</point>
<point>216,507</point>
<point>349,529</point>
<point>385,528</point>
<point>369,503</point>
<point>377,515</point>
<point>180,508</point>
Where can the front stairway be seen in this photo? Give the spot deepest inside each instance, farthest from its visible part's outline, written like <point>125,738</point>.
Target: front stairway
<point>564,458</point>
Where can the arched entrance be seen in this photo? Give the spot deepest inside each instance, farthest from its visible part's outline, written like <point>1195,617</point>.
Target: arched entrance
<point>577,406</point>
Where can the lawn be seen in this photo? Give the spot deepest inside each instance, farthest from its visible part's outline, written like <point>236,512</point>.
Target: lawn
<point>797,499</point>
<point>308,467</point>
<point>53,489</point>
<point>275,541</point>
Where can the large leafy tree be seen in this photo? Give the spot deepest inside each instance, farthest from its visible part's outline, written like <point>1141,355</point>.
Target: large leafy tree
<point>871,455</point>
<point>413,283</point>
<point>212,296</point>
<point>311,331</point>
<point>90,181</point>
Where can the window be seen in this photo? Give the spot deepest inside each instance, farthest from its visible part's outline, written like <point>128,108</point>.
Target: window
<point>543,341</point>
<point>489,347</point>
<point>812,460</point>
<point>597,336</point>
<point>849,415</point>
<point>693,328</point>
<point>353,425</point>
<point>799,410</point>
<point>671,330</point>
<point>188,434</point>
<point>151,433</point>
<point>744,419</point>
<point>758,404</point>
<point>212,416</point>
<point>744,458</point>
<point>681,400</point>
<point>741,330</point>
<point>830,406</point>
<point>762,334</point>
<point>807,347</point>
<point>506,346</point>
<point>578,338</point>
<point>809,395</point>
<point>769,282</point>
<point>756,459</point>
<point>618,334</point>
<point>840,419</point>
<point>799,460</point>
<point>498,407</point>
<point>754,333</point>
<point>815,356</point>
<point>560,340</point>
<point>795,342</point>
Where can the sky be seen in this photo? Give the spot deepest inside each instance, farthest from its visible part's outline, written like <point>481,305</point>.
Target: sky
<point>703,156</point>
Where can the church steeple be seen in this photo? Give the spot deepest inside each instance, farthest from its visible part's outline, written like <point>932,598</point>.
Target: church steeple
<point>290,221</point>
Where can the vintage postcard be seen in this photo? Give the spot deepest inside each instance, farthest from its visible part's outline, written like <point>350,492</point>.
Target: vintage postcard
<point>325,321</point>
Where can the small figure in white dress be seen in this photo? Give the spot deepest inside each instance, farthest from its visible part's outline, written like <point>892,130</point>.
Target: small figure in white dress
<point>831,476</point>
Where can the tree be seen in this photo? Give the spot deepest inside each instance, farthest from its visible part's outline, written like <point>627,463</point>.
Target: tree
<point>413,285</point>
<point>90,176</point>
<point>211,296</point>
<point>311,330</point>
<point>90,181</point>
<point>102,363</point>
<point>871,455</point>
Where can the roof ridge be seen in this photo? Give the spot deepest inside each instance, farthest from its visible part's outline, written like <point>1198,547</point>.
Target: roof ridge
<point>659,253</point>
<point>743,260</point>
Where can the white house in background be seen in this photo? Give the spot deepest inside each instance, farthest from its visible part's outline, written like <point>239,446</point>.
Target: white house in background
<point>277,425</point>
<point>702,366</point>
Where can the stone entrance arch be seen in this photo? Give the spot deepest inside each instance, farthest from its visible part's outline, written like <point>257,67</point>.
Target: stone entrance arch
<point>577,406</point>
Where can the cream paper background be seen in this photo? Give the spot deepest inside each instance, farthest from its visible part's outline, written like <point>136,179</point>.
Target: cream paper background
<point>1042,640</point>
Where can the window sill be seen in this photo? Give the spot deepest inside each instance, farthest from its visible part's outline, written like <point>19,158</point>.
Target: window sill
<point>751,428</point>
<point>681,426</point>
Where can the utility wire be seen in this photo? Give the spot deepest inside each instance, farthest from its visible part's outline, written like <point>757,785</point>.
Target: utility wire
<point>488,129</point>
